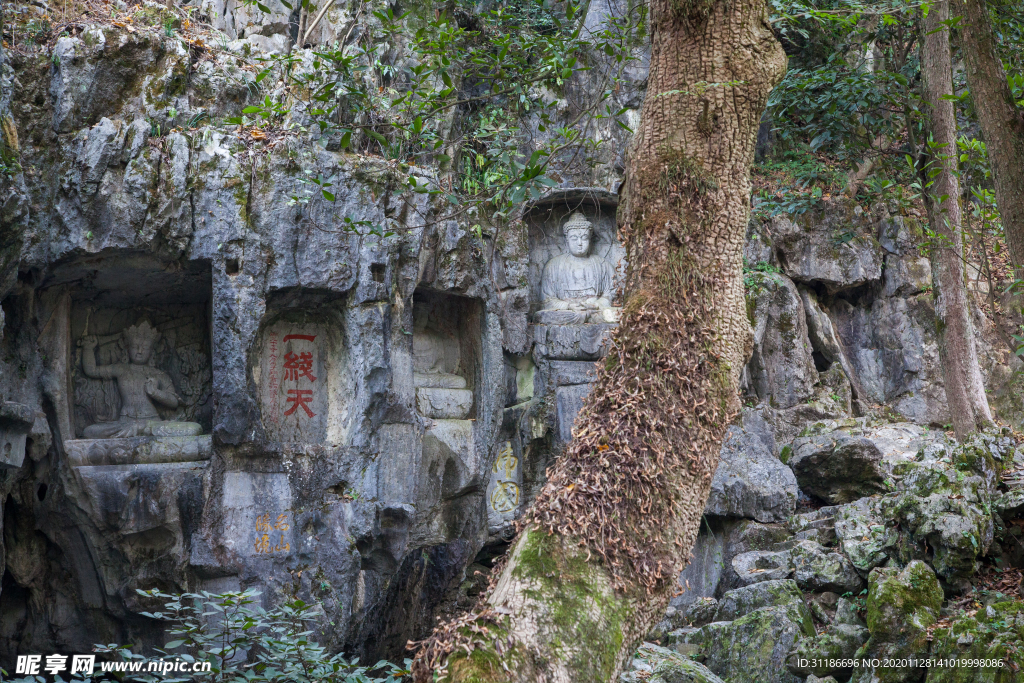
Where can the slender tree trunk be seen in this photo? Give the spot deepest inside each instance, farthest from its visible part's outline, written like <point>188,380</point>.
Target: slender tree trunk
<point>601,548</point>
<point>965,390</point>
<point>1002,122</point>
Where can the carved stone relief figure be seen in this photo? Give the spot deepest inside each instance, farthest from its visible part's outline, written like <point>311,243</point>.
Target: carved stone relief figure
<point>577,287</point>
<point>142,387</point>
<point>441,392</point>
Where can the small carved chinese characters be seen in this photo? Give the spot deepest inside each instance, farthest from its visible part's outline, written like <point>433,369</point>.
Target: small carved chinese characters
<point>505,496</point>
<point>577,287</point>
<point>263,544</point>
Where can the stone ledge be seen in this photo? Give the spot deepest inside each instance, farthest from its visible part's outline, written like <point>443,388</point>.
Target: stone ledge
<point>573,342</point>
<point>139,450</point>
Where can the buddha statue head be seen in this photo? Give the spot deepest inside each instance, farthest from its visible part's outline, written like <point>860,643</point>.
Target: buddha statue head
<point>578,232</point>
<point>141,339</point>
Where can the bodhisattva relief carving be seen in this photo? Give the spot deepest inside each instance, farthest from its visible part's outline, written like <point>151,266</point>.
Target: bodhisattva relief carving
<point>577,287</point>
<point>441,393</point>
<point>144,389</point>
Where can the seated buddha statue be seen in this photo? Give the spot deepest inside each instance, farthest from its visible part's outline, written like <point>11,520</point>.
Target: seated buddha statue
<point>142,387</point>
<point>440,393</point>
<point>577,287</point>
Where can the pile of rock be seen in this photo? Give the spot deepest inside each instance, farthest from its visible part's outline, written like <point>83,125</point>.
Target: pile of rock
<point>800,598</point>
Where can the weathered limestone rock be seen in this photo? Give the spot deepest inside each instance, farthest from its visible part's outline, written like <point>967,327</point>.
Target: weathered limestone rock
<point>993,635</point>
<point>754,646</point>
<point>818,526</point>
<point>16,420</point>
<point>812,656</point>
<point>762,565</point>
<point>680,670</point>
<point>836,248</point>
<point>781,370</point>
<point>894,354</point>
<point>815,569</point>
<point>742,601</point>
<point>661,665</point>
<point>701,577</point>
<point>837,468</point>
<point>941,507</point>
<point>901,607</point>
<point>862,532</point>
<point>906,275</point>
<point>743,537</point>
<point>700,612</point>
<point>750,481</point>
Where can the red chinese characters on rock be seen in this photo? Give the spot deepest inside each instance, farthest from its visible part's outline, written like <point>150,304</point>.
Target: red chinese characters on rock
<point>298,367</point>
<point>264,527</point>
<point>273,379</point>
<point>300,398</point>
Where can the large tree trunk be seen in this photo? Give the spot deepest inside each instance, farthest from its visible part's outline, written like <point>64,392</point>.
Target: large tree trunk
<point>1002,122</point>
<point>965,390</point>
<point>601,548</point>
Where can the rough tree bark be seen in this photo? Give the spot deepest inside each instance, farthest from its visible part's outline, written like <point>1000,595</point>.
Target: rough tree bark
<point>965,389</point>
<point>598,554</point>
<point>1002,122</point>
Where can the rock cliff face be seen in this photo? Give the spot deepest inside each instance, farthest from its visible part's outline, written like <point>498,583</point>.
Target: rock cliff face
<point>357,418</point>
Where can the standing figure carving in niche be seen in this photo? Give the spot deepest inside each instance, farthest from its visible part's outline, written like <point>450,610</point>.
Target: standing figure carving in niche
<point>142,387</point>
<point>577,287</point>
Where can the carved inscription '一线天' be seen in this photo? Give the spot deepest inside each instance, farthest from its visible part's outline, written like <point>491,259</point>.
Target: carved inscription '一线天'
<point>294,391</point>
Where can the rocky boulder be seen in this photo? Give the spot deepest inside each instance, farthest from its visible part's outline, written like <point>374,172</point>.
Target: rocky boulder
<point>862,533</point>
<point>837,467</point>
<point>742,601</point>
<point>656,664</point>
<point>817,656</point>
<point>994,634</point>
<point>754,647</point>
<point>901,606</point>
<point>817,569</point>
<point>746,536</point>
<point>762,565</point>
<point>942,509</point>
<point>750,481</point>
<point>701,611</point>
<point>817,525</point>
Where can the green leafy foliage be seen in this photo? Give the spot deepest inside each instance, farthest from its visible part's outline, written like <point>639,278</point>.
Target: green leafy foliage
<point>476,94</point>
<point>242,642</point>
<point>793,183</point>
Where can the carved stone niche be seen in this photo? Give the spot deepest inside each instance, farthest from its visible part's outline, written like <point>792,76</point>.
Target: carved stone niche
<point>576,269</point>
<point>446,354</point>
<point>301,373</point>
<point>139,371</point>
